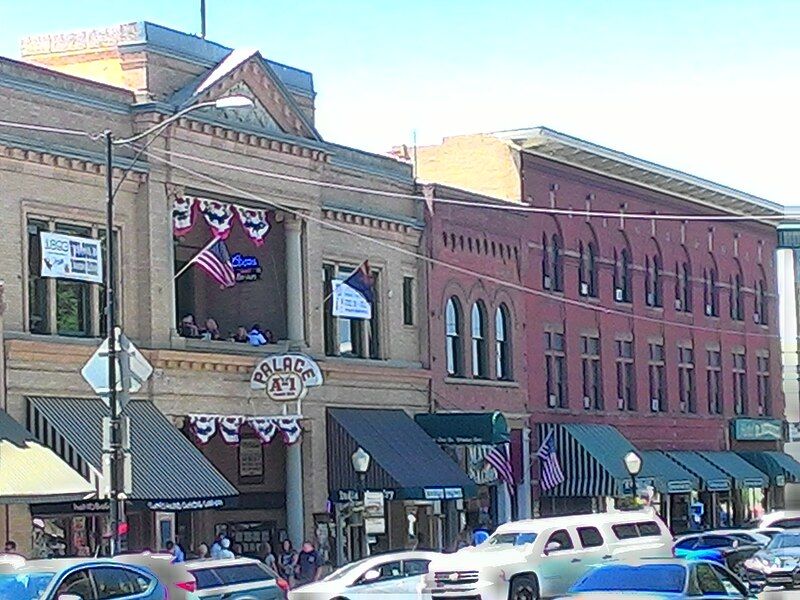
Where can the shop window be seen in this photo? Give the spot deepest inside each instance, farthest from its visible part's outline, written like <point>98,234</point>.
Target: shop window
<point>502,343</point>
<point>714,381</point>
<point>686,383</point>
<point>588,270</point>
<point>626,386</point>
<point>352,338</point>
<point>556,368</point>
<point>454,342</point>
<point>592,378</point>
<point>739,373</point>
<point>478,321</point>
<point>408,300</point>
<point>62,306</point>
<point>658,380</point>
<point>762,378</point>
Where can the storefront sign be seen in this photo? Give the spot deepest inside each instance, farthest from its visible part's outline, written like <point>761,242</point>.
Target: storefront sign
<point>443,493</point>
<point>354,495</point>
<point>349,303</point>
<point>286,377</point>
<point>780,481</point>
<point>794,432</point>
<point>71,257</point>
<point>178,505</point>
<point>374,518</point>
<point>477,468</point>
<point>247,268</point>
<point>752,430</point>
<point>251,458</point>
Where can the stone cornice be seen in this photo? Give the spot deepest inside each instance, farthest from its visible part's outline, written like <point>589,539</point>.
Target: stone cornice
<point>373,222</point>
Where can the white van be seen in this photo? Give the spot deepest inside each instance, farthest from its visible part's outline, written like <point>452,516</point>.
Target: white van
<point>542,558</point>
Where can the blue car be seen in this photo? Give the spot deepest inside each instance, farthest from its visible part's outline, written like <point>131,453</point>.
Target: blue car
<point>86,579</point>
<point>662,579</point>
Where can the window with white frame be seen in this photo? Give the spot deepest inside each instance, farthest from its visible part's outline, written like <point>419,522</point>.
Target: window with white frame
<point>352,338</point>
<point>480,366</point>
<point>502,335</point>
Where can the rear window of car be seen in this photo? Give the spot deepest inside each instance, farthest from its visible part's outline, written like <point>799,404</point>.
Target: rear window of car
<point>787,523</point>
<point>648,528</point>
<point>206,578</point>
<point>236,574</point>
<point>627,531</point>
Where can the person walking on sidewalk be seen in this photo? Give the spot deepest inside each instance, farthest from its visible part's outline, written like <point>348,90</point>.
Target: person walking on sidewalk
<point>287,560</point>
<point>309,564</point>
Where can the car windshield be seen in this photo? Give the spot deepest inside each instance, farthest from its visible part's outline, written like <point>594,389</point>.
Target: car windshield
<point>346,570</point>
<point>510,539</point>
<point>785,540</point>
<point>634,578</point>
<point>23,586</point>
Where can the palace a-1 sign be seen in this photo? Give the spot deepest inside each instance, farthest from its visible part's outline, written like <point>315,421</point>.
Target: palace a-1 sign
<point>286,377</point>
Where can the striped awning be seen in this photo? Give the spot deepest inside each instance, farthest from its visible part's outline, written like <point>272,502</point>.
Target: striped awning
<point>166,465</point>
<point>711,478</point>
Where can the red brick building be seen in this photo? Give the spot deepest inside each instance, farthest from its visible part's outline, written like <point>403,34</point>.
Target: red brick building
<point>664,329</point>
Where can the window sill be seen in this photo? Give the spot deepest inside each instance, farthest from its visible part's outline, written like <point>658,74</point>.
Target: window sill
<point>52,338</point>
<point>502,383</point>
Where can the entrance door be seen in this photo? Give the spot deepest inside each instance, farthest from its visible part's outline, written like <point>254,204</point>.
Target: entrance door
<point>165,529</point>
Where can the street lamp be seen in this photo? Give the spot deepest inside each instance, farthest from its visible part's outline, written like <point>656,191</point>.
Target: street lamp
<point>633,463</point>
<point>110,297</point>
<point>361,459</point>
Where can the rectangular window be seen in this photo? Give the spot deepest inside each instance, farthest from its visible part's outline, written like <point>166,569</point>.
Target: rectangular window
<point>62,306</point>
<point>626,386</point>
<point>556,367</point>
<point>762,375</point>
<point>592,380</point>
<point>353,338</point>
<point>408,300</point>
<point>686,385</point>
<point>658,380</point>
<point>739,372</point>
<point>714,382</point>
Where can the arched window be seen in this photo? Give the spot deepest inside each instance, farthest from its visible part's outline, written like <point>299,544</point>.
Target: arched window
<point>683,285</point>
<point>547,276</point>
<point>479,363</point>
<point>623,290</point>
<point>711,290</point>
<point>455,347</point>
<point>587,272</point>
<point>557,263</point>
<point>736,297</point>
<point>502,335</point>
<point>761,306</point>
<point>652,281</point>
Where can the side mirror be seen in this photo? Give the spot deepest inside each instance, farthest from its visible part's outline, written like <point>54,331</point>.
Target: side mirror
<point>552,547</point>
<point>371,575</point>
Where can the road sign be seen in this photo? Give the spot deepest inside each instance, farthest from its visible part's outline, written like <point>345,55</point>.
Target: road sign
<point>132,367</point>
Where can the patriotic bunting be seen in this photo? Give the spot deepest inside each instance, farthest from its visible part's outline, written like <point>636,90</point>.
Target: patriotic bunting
<point>204,427</point>
<point>219,216</point>
<point>265,428</point>
<point>229,427</point>
<point>254,222</point>
<point>182,215</point>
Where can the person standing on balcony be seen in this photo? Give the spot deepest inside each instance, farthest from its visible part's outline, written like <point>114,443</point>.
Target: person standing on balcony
<point>256,336</point>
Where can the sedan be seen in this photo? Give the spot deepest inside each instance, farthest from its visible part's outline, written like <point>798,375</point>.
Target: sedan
<point>779,563</point>
<point>662,579</point>
<point>728,548</point>
<point>399,573</point>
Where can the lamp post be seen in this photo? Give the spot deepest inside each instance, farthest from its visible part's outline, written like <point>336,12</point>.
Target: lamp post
<point>361,459</point>
<point>110,296</point>
<point>633,463</point>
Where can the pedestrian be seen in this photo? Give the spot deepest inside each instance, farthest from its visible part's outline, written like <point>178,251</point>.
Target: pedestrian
<point>176,551</point>
<point>216,547</point>
<point>226,552</point>
<point>10,547</point>
<point>269,558</point>
<point>255,336</point>
<point>202,550</point>
<point>309,564</point>
<point>287,561</point>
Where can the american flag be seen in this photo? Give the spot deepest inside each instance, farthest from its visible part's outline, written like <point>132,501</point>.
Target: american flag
<point>215,260</point>
<point>499,458</point>
<point>552,475</point>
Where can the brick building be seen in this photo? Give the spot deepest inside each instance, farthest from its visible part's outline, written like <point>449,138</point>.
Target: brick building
<point>635,331</point>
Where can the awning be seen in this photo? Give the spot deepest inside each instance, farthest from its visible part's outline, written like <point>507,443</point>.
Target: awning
<point>744,474</point>
<point>592,460</point>
<point>465,428</point>
<point>31,472</point>
<point>166,466</point>
<point>406,462</point>
<point>711,478</point>
<point>780,467</point>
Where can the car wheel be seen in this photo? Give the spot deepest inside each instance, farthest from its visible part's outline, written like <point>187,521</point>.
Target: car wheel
<point>524,587</point>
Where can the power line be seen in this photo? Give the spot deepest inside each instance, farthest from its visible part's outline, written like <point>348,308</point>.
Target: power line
<point>439,262</point>
<point>47,129</point>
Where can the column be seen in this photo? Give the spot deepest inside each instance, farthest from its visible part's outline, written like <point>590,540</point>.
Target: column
<point>294,281</point>
<point>294,493</point>
<point>524,488</point>
<point>504,514</point>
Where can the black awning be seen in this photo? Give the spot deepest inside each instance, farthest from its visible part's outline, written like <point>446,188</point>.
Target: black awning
<point>465,428</point>
<point>406,462</point>
<point>780,467</point>
<point>166,465</point>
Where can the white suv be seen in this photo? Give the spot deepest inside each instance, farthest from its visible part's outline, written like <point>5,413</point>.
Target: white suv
<point>542,558</point>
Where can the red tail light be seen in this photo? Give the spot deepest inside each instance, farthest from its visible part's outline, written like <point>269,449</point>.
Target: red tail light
<point>188,586</point>
<point>283,584</point>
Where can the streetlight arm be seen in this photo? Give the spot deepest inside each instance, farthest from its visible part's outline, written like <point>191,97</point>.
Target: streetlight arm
<point>164,123</point>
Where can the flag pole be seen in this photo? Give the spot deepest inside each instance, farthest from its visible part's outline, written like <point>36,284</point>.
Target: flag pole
<point>329,296</point>
<point>183,269</point>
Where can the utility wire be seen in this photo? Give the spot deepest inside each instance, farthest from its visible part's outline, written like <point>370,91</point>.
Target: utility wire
<point>31,127</point>
<point>388,245</point>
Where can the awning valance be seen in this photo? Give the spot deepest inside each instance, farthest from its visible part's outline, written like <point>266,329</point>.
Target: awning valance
<point>166,466</point>
<point>465,428</point>
<point>30,471</point>
<point>668,476</point>
<point>744,474</point>
<point>711,478</point>
<point>405,461</point>
<point>780,467</point>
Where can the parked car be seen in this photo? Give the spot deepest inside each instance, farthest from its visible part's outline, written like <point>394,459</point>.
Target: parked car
<point>781,519</point>
<point>397,573</point>
<point>749,536</point>
<point>670,578</point>
<point>779,563</point>
<point>541,558</point>
<point>139,577</point>
<point>729,549</point>
<point>235,579</point>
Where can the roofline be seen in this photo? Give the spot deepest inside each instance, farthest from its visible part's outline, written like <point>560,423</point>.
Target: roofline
<point>521,138</point>
<point>73,78</point>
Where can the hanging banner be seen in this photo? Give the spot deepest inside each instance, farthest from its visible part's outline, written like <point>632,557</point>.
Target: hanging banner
<point>254,222</point>
<point>182,216</point>
<point>348,303</point>
<point>71,257</point>
<point>218,215</point>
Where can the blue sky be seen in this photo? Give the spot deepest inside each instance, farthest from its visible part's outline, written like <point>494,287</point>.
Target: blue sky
<point>711,87</point>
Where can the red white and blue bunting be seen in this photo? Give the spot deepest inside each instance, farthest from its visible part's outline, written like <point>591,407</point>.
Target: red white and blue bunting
<point>229,428</point>
<point>219,216</point>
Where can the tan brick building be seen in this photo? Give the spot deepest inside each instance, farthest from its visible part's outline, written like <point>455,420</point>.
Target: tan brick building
<point>270,158</point>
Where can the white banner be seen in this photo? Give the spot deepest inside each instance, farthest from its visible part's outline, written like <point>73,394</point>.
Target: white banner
<point>349,304</point>
<point>71,257</point>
